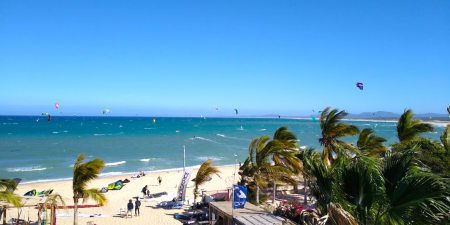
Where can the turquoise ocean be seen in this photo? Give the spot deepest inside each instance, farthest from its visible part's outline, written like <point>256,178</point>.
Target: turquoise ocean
<point>37,151</point>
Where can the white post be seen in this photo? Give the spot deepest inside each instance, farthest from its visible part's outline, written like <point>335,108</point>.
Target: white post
<point>232,186</point>
<point>184,158</point>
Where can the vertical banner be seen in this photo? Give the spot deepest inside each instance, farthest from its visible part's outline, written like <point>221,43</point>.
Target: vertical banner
<point>181,192</point>
<point>240,196</point>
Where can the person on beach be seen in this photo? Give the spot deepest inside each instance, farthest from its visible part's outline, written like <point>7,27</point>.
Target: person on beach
<point>130,207</point>
<point>159,179</point>
<point>137,205</point>
<point>145,191</point>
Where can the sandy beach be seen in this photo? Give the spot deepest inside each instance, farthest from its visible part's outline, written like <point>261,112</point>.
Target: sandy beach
<point>117,199</point>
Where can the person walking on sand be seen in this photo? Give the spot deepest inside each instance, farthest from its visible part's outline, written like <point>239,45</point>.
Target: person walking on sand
<point>159,179</point>
<point>130,207</point>
<point>137,205</point>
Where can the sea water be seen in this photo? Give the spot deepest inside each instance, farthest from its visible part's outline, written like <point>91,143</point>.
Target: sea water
<point>37,151</point>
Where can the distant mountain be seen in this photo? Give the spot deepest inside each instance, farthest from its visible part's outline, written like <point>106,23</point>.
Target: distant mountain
<point>366,115</point>
<point>383,114</point>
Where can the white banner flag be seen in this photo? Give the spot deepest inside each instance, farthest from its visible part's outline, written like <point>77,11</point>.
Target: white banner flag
<point>181,192</point>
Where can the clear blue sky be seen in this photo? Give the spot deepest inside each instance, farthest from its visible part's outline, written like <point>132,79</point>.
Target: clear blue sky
<point>183,57</point>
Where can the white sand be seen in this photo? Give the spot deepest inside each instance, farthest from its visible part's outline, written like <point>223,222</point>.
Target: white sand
<point>119,198</point>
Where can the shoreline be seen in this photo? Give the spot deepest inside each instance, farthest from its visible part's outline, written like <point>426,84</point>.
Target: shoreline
<point>150,213</point>
<point>111,174</point>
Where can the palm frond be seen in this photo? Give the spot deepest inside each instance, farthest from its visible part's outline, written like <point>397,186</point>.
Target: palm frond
<point>370,144</point>
<point>85,172</point>
<point>408,128</point>
<point>7,185</point>
<point>445,139</point>
<point>10,197</point>
<point>339,216</point>
<point>95,195</point>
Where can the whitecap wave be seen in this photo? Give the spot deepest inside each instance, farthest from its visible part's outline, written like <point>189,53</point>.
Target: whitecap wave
<point>144,160</point>
<point>99,134</point>
<point>205,139</point>
<point>262,129</point>
<point>204,158</point>
<point>65,131</point>
<point>439,124</point>
<point>115,163</point>
<point>221,135</point>
<point>25,169</point>
<point>149,128</point>
<point>55,132</point>
<point>111,174</point>
<point>45,180</point>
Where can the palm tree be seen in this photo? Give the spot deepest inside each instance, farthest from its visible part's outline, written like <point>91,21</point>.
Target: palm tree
<point>53,201</point>
<point>392,189</point>
<point>257,166</point>
<point>408,128</point>
<point>286,156</point>
<point>307,157</point>
<point>332,129</point>
<point>83,173</point>
<point>7,188</point>
<point>412,193</point>
<point>203,173</point>
<point>445,139</point>
<point>370,144</point>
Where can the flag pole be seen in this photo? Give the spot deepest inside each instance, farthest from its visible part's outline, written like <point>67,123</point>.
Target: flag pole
<point>184,158</point>
<point>232,186</point>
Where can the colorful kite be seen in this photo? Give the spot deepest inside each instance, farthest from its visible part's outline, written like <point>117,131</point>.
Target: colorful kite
<point>49,118</point>
<point>236,111</point>
<point>359,85</point>
<point>57,105</point>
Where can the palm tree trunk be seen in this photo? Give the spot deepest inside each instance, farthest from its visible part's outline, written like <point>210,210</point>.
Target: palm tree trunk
<point>195,197</point>
<point>75,211</point>
<point>53,212</point>
<point>274,190</point>
<point>4,215</point>
<point>39,217</point>
<point>257,194</point>
<point>305,201</point>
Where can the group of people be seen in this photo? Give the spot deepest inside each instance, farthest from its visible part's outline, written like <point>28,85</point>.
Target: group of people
<point>136,207</point>
<point>137,203</point>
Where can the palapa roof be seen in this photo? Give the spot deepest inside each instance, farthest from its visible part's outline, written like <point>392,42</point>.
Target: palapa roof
<point>249,215</point>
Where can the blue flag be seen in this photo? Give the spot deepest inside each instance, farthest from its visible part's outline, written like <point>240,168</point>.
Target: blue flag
<point>240,196</point>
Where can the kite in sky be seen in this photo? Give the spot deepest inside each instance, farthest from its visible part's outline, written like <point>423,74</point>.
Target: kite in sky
<point>216,108</point>
<point>320,111</point>
<point>44,113</point>
<point>313,118</point>
<point>57,105</point>
<point>49,118</point>
<point>105,111</point>
<point>359,85</point>
<point>236,111</point>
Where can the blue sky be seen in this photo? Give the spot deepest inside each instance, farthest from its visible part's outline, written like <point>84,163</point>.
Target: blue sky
<point>183,57</point>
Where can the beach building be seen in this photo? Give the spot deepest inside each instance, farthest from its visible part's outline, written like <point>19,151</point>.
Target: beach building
<point>220,213</point>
